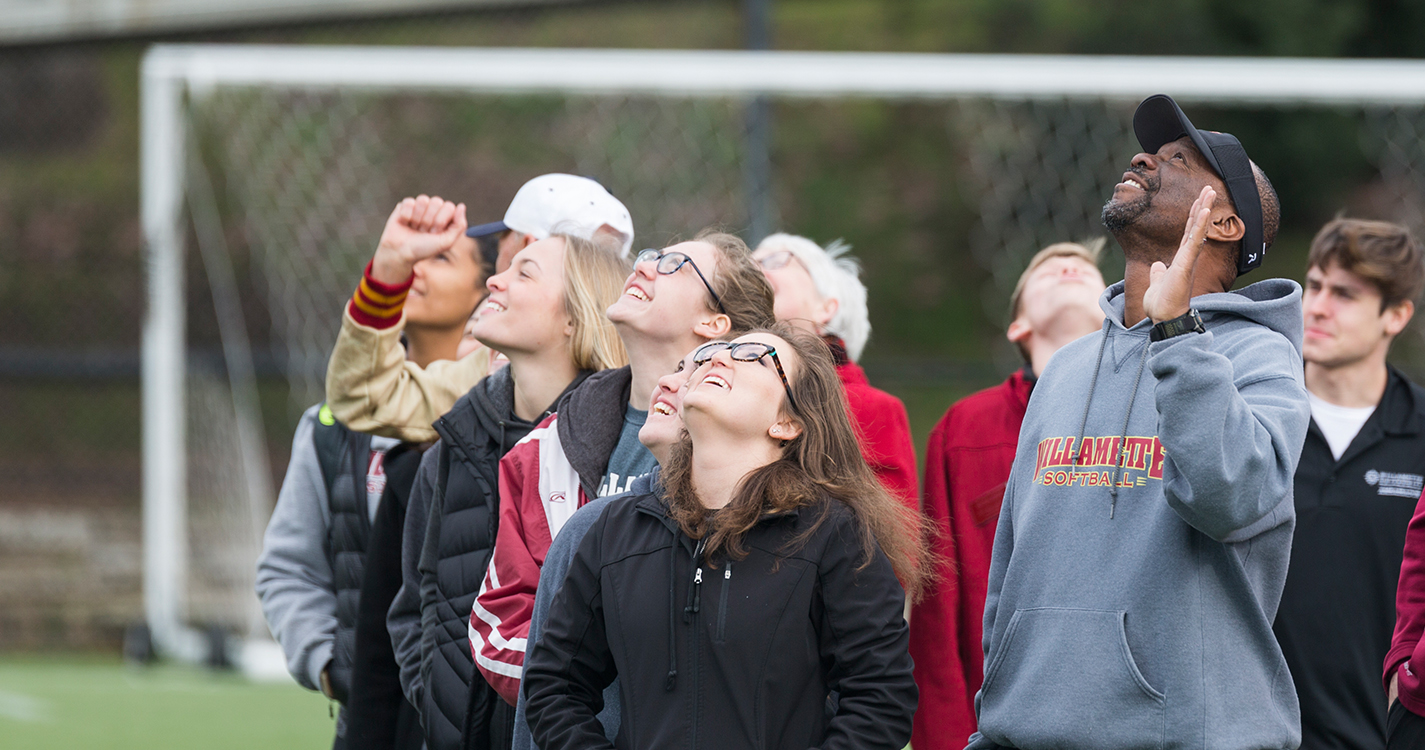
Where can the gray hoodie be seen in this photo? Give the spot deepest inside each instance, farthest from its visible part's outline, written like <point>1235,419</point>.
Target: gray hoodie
<point>1131,607</point>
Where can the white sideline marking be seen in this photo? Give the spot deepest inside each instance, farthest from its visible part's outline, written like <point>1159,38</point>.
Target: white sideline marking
<point>23,708</point>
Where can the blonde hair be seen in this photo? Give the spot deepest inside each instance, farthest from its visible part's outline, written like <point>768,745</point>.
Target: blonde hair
<point>594,274</point>
<point>1087,252</point>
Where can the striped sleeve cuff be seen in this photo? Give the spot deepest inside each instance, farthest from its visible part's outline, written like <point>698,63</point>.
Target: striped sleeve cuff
<point>377,305</point>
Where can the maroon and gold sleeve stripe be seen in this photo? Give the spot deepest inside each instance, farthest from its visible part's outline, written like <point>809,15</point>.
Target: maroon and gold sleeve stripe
<point>378,305</point>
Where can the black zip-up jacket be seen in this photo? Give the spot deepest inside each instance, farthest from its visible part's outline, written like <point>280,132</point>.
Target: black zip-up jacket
<point>458,708</point>
<point>721,654</point>
<point>378,715</point>
<point>1338,608</point>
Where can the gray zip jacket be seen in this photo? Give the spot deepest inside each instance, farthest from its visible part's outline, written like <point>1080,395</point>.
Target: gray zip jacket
<point>1131,601</point>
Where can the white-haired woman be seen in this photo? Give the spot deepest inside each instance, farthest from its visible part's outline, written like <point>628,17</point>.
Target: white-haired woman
<point>820,290</point>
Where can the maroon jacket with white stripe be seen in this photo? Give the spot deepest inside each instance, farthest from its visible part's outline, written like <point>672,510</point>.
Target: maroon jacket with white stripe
<point>544,478</point>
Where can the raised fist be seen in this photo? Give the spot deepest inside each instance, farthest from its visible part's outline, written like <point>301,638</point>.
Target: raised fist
<point>419,228</point>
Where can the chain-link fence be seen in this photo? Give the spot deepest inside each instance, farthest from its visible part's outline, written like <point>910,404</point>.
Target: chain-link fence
<point>309,179</point>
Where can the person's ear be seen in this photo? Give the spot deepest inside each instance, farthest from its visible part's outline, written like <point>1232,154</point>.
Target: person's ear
<point>827,312</point>
<point>526,240</point>
<point>1226,226</point>
<point>609,232</point>
<point>1397,316</point>
<point>785,429</point>
<point>1019,330</point>
<point>714,327</point>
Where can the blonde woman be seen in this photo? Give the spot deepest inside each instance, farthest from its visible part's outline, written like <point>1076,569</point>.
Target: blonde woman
<point>545,313</point>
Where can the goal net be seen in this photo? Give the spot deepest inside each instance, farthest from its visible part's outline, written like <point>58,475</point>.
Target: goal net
<point>268,173</point>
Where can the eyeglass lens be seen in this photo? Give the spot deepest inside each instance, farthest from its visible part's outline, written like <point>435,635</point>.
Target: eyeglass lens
<point>776,260</point>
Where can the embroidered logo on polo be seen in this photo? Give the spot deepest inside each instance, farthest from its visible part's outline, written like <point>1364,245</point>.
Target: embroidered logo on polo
<point>1098,459</point>
<point>1391,484</point>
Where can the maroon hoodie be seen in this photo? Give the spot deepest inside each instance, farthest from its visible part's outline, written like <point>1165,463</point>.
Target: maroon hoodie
<point>1407,649</point>
<point>967,464</point>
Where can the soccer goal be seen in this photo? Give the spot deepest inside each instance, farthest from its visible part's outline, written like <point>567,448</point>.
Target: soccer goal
<point>280,164</point>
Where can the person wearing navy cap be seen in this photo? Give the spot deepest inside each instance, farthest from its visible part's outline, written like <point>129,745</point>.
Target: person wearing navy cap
<point>1144,534</point>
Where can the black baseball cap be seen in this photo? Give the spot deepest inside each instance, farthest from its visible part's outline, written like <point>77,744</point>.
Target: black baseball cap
<point>1160,120</point>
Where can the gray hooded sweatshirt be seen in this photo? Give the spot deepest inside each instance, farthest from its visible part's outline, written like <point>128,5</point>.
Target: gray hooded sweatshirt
<point>1131,606</point>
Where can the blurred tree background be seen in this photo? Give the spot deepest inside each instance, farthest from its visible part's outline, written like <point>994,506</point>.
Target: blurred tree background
<point>884,176</point>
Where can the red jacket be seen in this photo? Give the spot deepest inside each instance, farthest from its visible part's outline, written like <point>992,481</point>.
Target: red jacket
<point>1407,649</point>
<point>884,433</point>
<point>967,465</point>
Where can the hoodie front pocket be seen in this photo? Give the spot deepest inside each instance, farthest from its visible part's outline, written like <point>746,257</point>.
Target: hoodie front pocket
<point>1065,678</point>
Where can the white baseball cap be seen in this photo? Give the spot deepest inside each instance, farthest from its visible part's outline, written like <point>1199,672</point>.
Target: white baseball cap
<point>562,203</point>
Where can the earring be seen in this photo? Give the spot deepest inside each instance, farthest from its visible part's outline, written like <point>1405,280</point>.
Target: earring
<point>776,430</point>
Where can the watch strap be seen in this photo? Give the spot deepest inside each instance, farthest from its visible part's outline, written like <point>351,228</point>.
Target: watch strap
<point>1189,323</point>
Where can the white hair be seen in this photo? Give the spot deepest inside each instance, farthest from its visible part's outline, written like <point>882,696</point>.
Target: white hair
<point>836,275</point>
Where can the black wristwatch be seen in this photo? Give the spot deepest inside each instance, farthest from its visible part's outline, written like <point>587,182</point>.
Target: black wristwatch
<point>1190,323</point>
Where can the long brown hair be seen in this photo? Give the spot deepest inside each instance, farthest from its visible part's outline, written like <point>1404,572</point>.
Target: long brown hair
<point>823,462</point>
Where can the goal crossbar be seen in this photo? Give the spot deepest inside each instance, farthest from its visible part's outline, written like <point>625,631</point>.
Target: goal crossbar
<point>172,73</point>
<point>722,73</point>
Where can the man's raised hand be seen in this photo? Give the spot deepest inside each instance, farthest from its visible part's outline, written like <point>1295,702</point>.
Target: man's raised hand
<point>419,228</point>
<point>1169,293</point>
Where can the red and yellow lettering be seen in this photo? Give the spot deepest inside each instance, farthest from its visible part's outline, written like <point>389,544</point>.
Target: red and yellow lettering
<point>1044,459</point>
<point>1155,469</point>
<point>1103,451</point>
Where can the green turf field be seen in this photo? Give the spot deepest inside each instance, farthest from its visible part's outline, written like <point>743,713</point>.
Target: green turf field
<point>55,702</point>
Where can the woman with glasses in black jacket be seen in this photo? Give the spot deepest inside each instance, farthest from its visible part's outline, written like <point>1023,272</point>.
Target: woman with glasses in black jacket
<point>760,579</point>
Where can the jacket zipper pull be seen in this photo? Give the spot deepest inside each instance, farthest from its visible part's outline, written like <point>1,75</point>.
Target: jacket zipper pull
<point>727,574</point>
<point>698,591</point>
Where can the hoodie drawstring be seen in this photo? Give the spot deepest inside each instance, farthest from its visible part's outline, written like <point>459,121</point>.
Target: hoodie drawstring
<point>1083,423</point>
<point>1122,448</point>
<point>1093,383</point>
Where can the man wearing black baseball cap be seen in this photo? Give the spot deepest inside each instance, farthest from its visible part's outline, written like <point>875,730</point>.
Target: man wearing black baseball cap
<point>1146,527</point>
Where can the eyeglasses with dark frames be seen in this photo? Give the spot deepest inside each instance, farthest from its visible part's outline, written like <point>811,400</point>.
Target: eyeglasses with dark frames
<point>669,263</point>
<point>745,351</point>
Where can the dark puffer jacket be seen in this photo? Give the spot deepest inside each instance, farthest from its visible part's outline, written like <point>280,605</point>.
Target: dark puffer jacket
<point>348,453</point>
<point>456,504</point>
<point>723,654</point>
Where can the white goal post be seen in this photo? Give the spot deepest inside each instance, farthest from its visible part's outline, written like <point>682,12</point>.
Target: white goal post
<point>175,75</point>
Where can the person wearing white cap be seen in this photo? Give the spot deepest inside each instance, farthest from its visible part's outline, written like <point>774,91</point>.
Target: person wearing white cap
<point>563,202</point>
<point>370,385</point>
